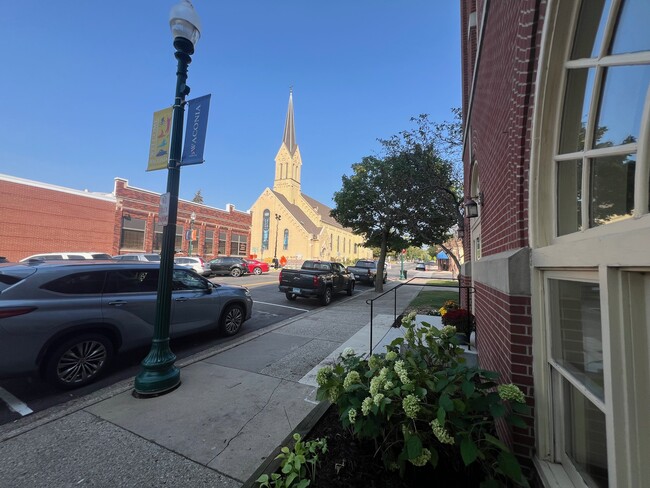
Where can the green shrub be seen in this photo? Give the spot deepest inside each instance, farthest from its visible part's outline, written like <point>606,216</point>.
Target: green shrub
<point>297,466</point>
<point>419,401</point>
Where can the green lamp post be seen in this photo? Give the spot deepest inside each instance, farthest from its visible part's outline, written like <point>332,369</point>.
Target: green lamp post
<point>158,374</point>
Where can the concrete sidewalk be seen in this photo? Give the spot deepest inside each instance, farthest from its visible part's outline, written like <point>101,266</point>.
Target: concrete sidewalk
<point>235,405</point>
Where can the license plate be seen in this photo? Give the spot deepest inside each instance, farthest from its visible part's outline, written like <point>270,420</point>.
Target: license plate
<point>296,290</point>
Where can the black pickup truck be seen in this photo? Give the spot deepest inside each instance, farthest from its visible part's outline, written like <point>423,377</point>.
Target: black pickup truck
<point>320,279</point>
<point>366,270</point>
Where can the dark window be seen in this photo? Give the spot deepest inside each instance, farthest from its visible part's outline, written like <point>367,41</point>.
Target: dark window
<point>184,280</point>
<point>157,236</point>
<point>86,283</point>
<point>285,243</point>
<point>208,244</point>
<point>132,233</point>
<point>238,244</point>
<point>132,281</point>
<point>101,256</point>
<point>178,241</point>
<point>222,242</point>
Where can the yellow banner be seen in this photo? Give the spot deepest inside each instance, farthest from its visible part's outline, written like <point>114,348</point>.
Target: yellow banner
<point>160,137</point>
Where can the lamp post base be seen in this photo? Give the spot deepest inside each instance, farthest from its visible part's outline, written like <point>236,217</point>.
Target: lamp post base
<point>158,375</point>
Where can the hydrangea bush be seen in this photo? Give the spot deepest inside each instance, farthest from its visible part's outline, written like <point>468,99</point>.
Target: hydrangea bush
<point>419,401</point>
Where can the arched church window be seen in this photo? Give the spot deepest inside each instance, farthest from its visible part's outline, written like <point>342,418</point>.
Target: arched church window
<point>266,222</point>
<point>285,242</point>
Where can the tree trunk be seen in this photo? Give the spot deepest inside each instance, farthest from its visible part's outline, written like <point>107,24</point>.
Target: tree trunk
<point>379,280</point>
<point>453,256</point>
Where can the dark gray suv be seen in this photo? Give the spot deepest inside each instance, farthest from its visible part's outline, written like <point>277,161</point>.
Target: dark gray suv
<point>66,320</point>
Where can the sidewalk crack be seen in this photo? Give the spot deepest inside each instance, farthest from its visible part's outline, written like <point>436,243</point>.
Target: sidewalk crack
<point>248,421</point>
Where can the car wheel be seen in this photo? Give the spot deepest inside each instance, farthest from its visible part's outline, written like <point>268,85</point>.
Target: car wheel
<point>235,272</point>
<point>291,296</point>
<point>79,360</point>
<point>257,270</point>
<point>232,320</point>
<point>326,298</point>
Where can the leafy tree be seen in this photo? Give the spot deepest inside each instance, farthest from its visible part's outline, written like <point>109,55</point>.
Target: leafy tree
<point>408,197</point>
<point>198,198</point>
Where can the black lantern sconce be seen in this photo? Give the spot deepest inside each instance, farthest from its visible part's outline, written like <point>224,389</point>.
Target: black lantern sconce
<point>471,206</point>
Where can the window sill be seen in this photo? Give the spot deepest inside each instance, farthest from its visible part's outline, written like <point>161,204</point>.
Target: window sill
<point>552,475</point>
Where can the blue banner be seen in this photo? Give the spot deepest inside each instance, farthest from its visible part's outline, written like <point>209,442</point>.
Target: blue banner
<point>195,130</point>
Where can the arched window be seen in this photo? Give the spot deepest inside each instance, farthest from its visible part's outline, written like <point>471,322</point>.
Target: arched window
<point>266,222</point>
<point>285,242</point>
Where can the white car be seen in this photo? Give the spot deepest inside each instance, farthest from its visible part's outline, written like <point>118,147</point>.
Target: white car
<point>138,256</point>
<point>194,262</point>
<point>58,256</point>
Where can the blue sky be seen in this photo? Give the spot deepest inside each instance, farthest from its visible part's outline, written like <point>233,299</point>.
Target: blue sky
<point>81,81</point>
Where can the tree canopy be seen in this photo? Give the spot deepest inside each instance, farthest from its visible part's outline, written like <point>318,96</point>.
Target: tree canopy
<point>409,195</point>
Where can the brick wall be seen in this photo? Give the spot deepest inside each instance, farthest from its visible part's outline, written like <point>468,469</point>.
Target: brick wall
<point>36,219</point>
<point>499,117</point>
<point>143,204</point>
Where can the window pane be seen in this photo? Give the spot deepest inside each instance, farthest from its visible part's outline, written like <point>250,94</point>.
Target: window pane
<point>589,31</point>
<point>623,96</point>
<point>569,196</point>
<point>132,281</point>
<point>78,284</point>
<point>612,188</point>
<point>585,437</point>
<point>632,34</point>
<point>579,85</point>
<point>577,343</point>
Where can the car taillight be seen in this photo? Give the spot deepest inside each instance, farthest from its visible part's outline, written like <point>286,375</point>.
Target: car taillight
<point>12,312</point>
<point>316,278</point>
<point>201,261</point>
<point>280,279</point>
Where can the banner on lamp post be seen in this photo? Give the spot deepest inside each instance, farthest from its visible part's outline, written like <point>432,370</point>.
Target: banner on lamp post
<point>160,137</point>
<point>195,130</point>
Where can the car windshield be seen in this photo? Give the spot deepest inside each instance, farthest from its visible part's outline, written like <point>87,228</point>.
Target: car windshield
<point>365,264</point>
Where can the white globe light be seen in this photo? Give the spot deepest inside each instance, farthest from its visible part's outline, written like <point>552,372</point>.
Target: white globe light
<point>185,22</point>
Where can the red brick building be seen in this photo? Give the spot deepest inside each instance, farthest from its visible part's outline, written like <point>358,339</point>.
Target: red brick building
<point>556,110</point>
<point>38,218</point>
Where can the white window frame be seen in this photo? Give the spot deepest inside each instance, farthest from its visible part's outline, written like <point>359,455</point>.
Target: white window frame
<point>614,254</point>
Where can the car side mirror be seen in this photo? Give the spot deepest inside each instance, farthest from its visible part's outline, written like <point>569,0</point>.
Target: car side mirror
<point>209,288</point>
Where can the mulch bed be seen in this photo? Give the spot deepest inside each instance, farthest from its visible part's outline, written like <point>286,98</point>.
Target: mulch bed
<point>350,463</point>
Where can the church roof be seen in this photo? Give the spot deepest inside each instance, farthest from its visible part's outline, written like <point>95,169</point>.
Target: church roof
<point>298,214</point>
<point>323,211</point>
<point>289,138</point>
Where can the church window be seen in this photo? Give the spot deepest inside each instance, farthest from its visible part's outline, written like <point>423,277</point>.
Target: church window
<point>285,241</point>
<point>331,242</point>
<point>338,243</point>
<point>266,223</point>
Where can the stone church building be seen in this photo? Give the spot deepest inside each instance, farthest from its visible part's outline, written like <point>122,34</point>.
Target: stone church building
<point>288,224</point>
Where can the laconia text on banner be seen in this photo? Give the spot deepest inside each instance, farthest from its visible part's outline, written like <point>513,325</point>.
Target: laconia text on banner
<point>195,130</point>
<point>160,136</point>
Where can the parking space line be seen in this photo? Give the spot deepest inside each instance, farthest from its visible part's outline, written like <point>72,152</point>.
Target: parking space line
<point>14,404</point>
<point>283,306</point>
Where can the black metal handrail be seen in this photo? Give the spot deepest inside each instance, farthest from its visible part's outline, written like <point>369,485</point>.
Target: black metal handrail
<point>370,301</point>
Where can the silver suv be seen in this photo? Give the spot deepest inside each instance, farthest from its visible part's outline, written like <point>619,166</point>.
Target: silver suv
<point>67,319</point>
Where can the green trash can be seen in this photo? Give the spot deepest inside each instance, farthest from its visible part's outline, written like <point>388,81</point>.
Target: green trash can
<point>405,274</point>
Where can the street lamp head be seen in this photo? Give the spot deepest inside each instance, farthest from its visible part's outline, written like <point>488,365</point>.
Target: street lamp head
<point>185,22</point>
<point>193,216</point>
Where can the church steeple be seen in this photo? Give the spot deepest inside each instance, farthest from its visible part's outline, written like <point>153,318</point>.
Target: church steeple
<point>288,161</point>
<point>289,137</point>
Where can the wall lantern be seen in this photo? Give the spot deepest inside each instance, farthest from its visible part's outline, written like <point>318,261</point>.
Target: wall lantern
<point>471,206</point>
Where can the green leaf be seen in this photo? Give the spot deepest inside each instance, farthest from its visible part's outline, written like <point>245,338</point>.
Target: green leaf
<point>413,447</point>
<point>446,403</point>
<point>468,388</point>
<point>434,457</point>
<point>509,465</point>
<point>290,478</point>
<point>518,422</point>
<point>468,450</point>
<point>263,481</point>
<point>497,410</point>
<point>521,408</point>
<point>496,442</point>
<point>442,414</point>
<point>303,483</point>
<point>421,392</point>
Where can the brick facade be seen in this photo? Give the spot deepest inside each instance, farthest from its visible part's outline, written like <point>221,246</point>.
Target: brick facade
<point>498,88</point>
<point>39,218</point>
